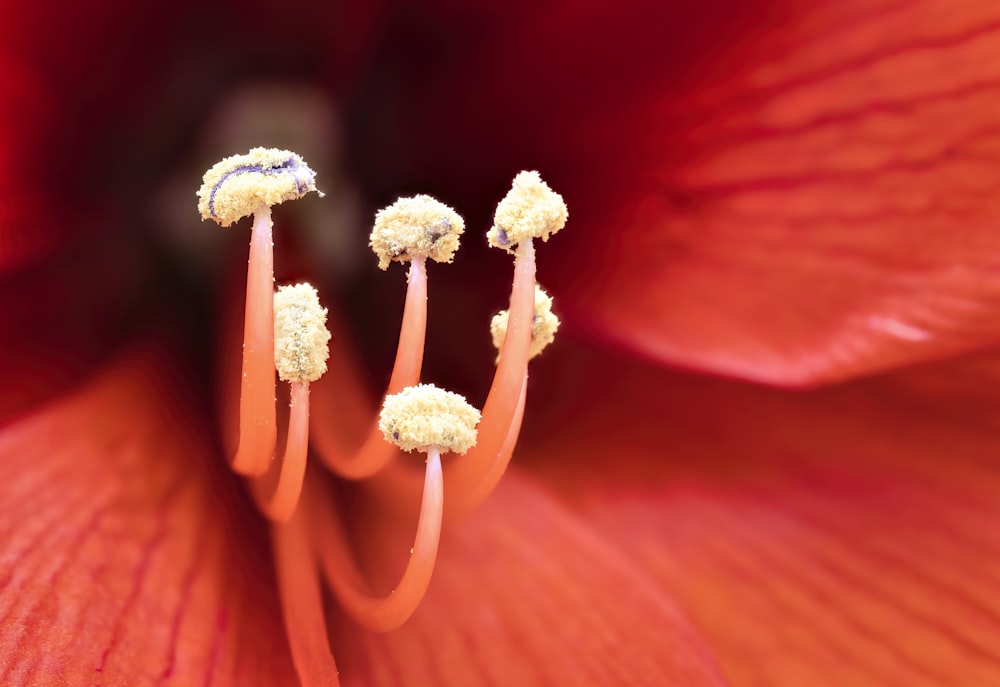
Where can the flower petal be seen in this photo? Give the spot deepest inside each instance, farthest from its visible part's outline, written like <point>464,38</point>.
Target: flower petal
<point>125,558</point>
<point>523,594</point>
<point>839,537</point>
<point>785,191</point>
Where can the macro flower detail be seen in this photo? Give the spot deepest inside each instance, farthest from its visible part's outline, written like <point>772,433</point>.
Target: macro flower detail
<point>416,416</point>
<point>762,453</point>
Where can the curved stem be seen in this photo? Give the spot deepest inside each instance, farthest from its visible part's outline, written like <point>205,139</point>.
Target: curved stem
<point>382,613</point>
<point>257,414</point>
<point>463,501</point>
<point>375,453</point>
<point>302,604</point>
<point>284,497</point>
<point>508,389</point>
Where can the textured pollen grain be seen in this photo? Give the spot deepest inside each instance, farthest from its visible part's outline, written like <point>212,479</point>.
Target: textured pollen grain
<point>301,339</point>
<point>422,416</point>
<point>529,210</point>
<point>416,227</point>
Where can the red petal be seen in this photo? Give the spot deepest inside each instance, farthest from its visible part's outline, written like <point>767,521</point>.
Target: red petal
<point>125,558</point>
<point>840,537</point>
<point>525,595</point>
<point>787,191</point>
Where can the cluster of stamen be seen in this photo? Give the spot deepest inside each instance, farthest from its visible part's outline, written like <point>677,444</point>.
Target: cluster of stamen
<point>285,334</point>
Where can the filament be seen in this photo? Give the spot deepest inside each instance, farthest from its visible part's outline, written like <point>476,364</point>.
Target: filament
<point>382,613</point>
<point>258,434</point>
<point>375,453</point>
<point>500,412</point>
<point>291,469</point>
<point>302,604</point>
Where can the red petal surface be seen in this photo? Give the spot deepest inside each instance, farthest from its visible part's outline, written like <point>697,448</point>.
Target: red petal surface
<point>523,594</point>
<point>848,536</point>
<point>784,190</point>
<point>125,558</point>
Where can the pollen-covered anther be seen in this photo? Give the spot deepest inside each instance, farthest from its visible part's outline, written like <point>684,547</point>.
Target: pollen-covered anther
<point>423,416</point>
<point>416,227</point>
<point>241,184</point>
<point>544,325</point>
<point>529,210</point>
<point>301,339</point>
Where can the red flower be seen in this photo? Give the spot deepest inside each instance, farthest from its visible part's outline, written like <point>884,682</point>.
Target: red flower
<point>793,193</point>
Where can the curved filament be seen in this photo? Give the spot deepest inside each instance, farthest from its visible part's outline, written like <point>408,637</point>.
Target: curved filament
<point>382,613</point>
<point>375,453</point>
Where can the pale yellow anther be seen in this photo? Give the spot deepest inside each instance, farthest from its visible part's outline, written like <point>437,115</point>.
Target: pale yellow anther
<point>424,416</point>
<point>301,339</point>
<point>529,210</point>
<point>416,227</point>
<point>242,184</point>
<point>543,325</point>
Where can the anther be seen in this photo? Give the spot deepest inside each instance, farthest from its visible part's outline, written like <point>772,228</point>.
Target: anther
<point>416,227</point>
<point>543,325</point>
<point>529,210</point>
<point>241,184</point>
<point>301,339</point>
<point>424,416</point>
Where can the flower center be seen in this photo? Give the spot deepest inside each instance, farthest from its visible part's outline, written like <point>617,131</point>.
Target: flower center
<point>286,332</point>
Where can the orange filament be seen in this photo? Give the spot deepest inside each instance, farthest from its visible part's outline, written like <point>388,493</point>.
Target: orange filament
<point>382,613</point>
<point>258,434</point>
<point>476,494</point>
<point>291,469</point>
<point>302,604</point>
<point>375,453</point>
<point>501,416</point>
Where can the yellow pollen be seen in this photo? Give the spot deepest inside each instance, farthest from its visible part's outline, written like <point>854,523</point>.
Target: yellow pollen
<point>242,184</point>
<point>301,339</point>
<point>416,227</point>
<point>424,416</point>
<point>529,210</point>
<point>543,325</point>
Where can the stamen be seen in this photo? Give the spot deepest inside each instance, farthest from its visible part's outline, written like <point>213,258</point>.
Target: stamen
<point>543,326</point>
<point>529,210</point>
<point>425,418</point>
<point>301,351</point>
<point>302,604</point>
<point>231,189</point>
<point>411,229</point>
